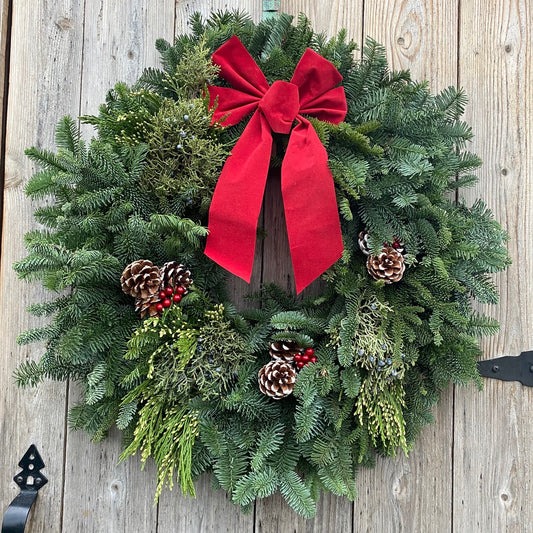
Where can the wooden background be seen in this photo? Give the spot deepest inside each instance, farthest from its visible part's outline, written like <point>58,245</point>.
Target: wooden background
<point>469,472</point>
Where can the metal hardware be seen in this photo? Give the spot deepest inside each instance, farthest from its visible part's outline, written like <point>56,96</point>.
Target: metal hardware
<point>30,480</point>
<point>271,8</point>
<point>509,368</point>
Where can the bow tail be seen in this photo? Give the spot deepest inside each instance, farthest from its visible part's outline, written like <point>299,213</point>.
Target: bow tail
<point>237,200</point>
<point>310,205</point>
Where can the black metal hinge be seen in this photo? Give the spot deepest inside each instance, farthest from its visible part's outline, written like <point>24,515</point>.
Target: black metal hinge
<point>30,480</point>
<point>509,368</point>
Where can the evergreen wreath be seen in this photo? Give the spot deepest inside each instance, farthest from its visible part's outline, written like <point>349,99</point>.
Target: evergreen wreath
<point>293,394</point>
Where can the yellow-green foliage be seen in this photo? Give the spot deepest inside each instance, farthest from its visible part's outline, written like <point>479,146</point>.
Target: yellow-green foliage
<point>184,154</point>
<point>379,407</point>
<point>192,73</point>
<point>166,433</point>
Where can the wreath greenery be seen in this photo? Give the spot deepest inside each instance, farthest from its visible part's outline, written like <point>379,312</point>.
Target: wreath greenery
<point>183,384</point>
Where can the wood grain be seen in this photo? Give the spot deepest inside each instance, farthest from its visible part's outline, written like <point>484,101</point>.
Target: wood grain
<point>211,511</point>
<point>469,473</point>
<point>493,457</point>
<point>420,36</point>
<point>414,494</point>
<point>330,16</point>
<point>5,37</point>
<point>38,67</point>
<point>99,495</point>
<point>185,8</point>
<point>273,514</point>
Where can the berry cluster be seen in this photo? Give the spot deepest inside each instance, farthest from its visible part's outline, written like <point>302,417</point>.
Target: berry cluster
<point>170,295</point>
<point>307,356</point>
<point>395,244</point>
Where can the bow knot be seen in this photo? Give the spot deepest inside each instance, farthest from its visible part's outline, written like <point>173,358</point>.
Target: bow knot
<point>311,214</point>
<point>281,105</point>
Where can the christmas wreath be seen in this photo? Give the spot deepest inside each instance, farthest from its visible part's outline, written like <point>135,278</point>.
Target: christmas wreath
<point>294,393</point>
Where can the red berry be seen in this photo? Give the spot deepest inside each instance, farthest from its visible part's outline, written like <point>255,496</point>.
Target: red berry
<point>162,295</point>
<point>176,298</point>
<point>159,307</point>
<point>309,352</point>
<point>305,358</point>
<point>169,291</point>
<point>313,359</point>
<point>181,290</point>
<point>297,357</point>
<point>167,302</point>
<point>300,364</point>
<point>395,244</point>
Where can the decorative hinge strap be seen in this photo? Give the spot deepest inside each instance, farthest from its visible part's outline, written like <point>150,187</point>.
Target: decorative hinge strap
<point>30,480</point>
<point>509,368</point>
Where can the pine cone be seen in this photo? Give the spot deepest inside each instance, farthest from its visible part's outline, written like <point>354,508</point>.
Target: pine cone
<point>141,279</point>
<point>147,306</point>
<point>276,379</point>
<point>284,350</point>
<point>363,242</point>
<point>173,274</point>
<point>388,265</point>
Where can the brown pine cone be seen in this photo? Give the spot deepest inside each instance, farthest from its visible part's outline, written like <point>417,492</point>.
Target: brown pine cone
<point>363,242</point>
<point>141,279</point>
<point>388,265</point>
<point>284,350</point>
<point>173,274</point>
<point>148,306</point>
<point>276,379</point>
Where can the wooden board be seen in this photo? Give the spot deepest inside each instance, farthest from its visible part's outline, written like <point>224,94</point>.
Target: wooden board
<point>40,66</point>
<point>330,16</point>
<point>99,494</point>
<point>493,455</point>
<point>211,511</point>
<point>471,470</point>
<point>414,493</point>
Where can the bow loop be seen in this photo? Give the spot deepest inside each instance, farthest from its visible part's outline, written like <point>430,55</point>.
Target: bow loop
<point>239,69</point>
<point>308,191</point>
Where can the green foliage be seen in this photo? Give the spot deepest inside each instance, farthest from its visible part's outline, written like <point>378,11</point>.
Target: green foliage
<point>184,357</point>
<point>184,157</point>
<point>183,386</point>
<point>167,434</point>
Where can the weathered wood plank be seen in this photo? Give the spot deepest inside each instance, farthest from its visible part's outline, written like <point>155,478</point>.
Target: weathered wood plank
<point>330,16</point>
<point>493,434</point>
<point>5,28</point>
<point>211,510</point>
<point>118,44</point>
<point>45,56</point>
<point>414,494</point>
<point>333,513</point>
<point>420,36</point>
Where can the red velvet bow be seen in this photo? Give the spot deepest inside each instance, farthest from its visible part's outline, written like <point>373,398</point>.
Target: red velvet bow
<point>308,191</point>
